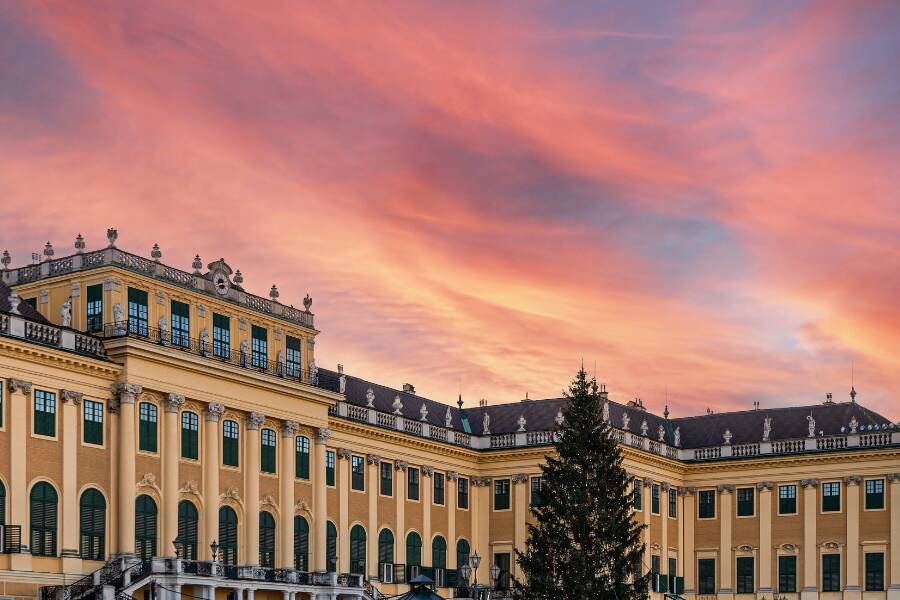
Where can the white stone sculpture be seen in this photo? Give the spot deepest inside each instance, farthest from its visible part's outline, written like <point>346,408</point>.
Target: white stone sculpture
<point>486,424</point>
<point>398,406</point>
<point>625,420</point>
<point>342,384</point>
<point>662,433</point>
<point>606,411</point>
<point>812,425</point>
<point>854,425</point>
<point>644,428</point>
<point>727,436</point>
<point>521,422</point>
<point>678,437</point>
<point>423,412</point>
<point>767,428</point>
<point>448,419</point>
<point>370,398</point>
<point>65,313</point>
<point>204,341</point>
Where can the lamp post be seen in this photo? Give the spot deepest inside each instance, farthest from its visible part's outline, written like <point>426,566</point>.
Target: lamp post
<point>476,560</point>
<point>214,551</point>
<point>495,575</point>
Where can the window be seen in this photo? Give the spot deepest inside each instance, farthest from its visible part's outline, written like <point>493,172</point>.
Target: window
<point>654,572</point>
<point>745,502</point>
<point>266,539</point>
<point>387,479</point>
<point>706,576</point>
<point>831,496</point>
<point>462,553</point>
<point>93,422</point>
<point>228,535</point>
<point>787,499</point>
<point>357,550</point>
<point>874,494</point>
<point>358,473</point>
<point>673,503</point>
<point>439,560</point>
<point>293,357</point>
<point>137,312</point>
<point>32,302</point>
<point>145,512</point>
<point>1,406</point>
<point>329,468</point>
<point>221,336</point>
<point>462,493</point>
<point>412,483</point>
<point>43,519</point>
<point>331,547</point>
<point>44,413</point>
<point>413,549</point>
<point>745,575</point>
<point>831,572</point>
<point>501,494</point>
<point>537,488</point>
<point>385,547</point>
<point>438,489</point>
<point>654,499</point>
<point>181,324</point>
<point>2,504</point>
<point>301,449</point>
<point>706,504</point>
<point>267,451</point>
<point>301,544</point>
<point>787,574</point>
<point>501,559</point>
<point>190,425</point>
<point>672,578</point>
<point>638,494</point>
<point>92,525</point>
<point>147,414</point>
<point>874,571</point>
<point>230,443</point>
<point>95,308</point>
<point>260,347</point>
<point>187,529</point>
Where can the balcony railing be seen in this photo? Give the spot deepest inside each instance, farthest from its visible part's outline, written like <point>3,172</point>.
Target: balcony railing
<point>64,338</point>
<point>235,357</point>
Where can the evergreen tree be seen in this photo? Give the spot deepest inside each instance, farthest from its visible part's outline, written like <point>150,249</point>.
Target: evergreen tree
<point>584,543</point>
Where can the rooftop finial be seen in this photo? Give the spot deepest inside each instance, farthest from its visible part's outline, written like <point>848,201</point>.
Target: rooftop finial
<point>666,412</point>
<point>459,402</point>
<point>852,394</point>
<point>79,244</point>
<point>273,293</point>
<point>197,265</point>
<point>112,234</point>
<point>238,278</point>
<point>307,302</point>
<point>48,251</point>
<point>155,253</point>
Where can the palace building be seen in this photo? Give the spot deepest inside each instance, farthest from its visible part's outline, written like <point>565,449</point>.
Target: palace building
<point>167,433</point>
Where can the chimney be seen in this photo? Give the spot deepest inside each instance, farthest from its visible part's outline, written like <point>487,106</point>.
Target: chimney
<point>828,398</point>
<point>525,399</point>
<point>409,388</point>
<point>603,393</point>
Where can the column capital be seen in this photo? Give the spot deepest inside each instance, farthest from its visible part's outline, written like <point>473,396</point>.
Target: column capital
<point>322,435</point>
<point>725,488</point>
<point>452,475</point>
<point>666,486</point>
<point>427,471</point>
<point>126,392</point>
<point>255,419</point>
<point>401,465</point>
<point>520,478</point>
<point>214,411</point>
<point>686,491</point>
<point>343,453</point>
<point>648,481</point>
<point>893,477</point>
<point>852,480</point>
<point>19,385</point>
<point>373,459</point>
<point>75,397</point>
<point>173,402</point>
<point>765,486</point>
<point>481,481</point>
<point>289,429</point>
<point>805,483</point>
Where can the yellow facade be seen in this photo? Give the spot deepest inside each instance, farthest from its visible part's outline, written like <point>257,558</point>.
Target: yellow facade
<point>143,366</point>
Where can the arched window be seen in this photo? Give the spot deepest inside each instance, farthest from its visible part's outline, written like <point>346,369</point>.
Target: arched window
<point>228,535</point>
<point>358,550</point>
<point>2,504</point>
<point>462,553</point>
<point>413,549</point>
<point>439,560</point>
<point>266,540</point>
<point>331,547</point>
<point>145,526</point>
<point>385,547</point>
<point>43,519</point>
<point>93,525</point>
<point>301,544</point>
<point>187,529</point>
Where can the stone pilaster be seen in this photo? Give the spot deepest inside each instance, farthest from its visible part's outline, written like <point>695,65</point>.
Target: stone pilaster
<point>251,486</point>
<point>211,463</point>
<point>286,477</point>
<point>125,394</point>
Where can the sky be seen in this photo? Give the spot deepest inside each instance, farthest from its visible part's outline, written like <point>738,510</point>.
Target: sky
<point>699,201</point>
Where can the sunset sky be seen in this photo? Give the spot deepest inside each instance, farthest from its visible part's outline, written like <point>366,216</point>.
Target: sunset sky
<point>701,199</point>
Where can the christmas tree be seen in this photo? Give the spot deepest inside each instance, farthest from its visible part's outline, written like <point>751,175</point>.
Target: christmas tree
<point>584,543</point>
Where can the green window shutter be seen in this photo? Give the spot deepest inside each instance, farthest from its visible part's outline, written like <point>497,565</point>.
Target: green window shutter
<point>301,544</point>
<point>267,454</point>
<point>302,458</point>
<point>329,467</point>
<point>228,536</point>
<point>266,540</point>
<point>147,427</point>
<point>230,443</point>
<point>1,408</point>
<point>95,308</point>
<point>93,422</point>
<point>190,425</point>
<point>44,413</point>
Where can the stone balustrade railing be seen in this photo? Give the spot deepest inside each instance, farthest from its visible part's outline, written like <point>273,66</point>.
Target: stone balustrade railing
<point>14,325</point>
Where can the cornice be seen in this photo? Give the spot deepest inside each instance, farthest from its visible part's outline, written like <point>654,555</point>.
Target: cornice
<point>25,350</point>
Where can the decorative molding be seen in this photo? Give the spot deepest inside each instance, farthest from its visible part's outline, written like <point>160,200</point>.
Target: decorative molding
<point>805,483</point>
<point>75,397</point>
<point>427,471</point>
<point>231,494</point>
<point>289,429</point>
<point>148,481</point>
<point>831,545</point>
<point>268,500</point>
<point>401,465</point>
<point>481,481</point>
<point>214,411</point>
<point>373,459</point>
<point>520,478</point>
<point>648,481</point>
<point>255,419</point>
<point>302,506</point>
<point>173,402</point>
<point>725,488</point>
<point>893,477</point>
<point>322,435</point>
<point>190,487</point>
<point>791,548</point>
<point>343,453</point>
<point>126,392</point>
<point>665,486</point>
<point>744,548</point>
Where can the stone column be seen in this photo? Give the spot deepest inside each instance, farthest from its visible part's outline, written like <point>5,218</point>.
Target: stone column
<point>374,464</point>
<point>211,462</point>
<point>427,495</point>
<point>481,519</point>
<point>851,586</point>
<point>451,493</point>
<point>127,450</point>
<point>170,453</point>
<point>725,552</point>
<point>664,521</point>
<point>286,481</point>
<point>343,455</point>
<point>19,399</point>
<point>71,401</point>
<point>400,467</point>
<point>320,500</point>
<point>251,487</point>
<point>810,550</point>
<point>764,490</point>
<point>893,592</point>
<point>521,507</point>
<point>688,561</point>
<point>647,492</point>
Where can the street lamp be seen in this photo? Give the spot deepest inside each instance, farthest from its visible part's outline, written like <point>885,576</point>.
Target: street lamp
<point>476,560</point>
<point>465,571</point>
<point>178,545</point>
<point>495,574</point>
<point>214,551</point>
